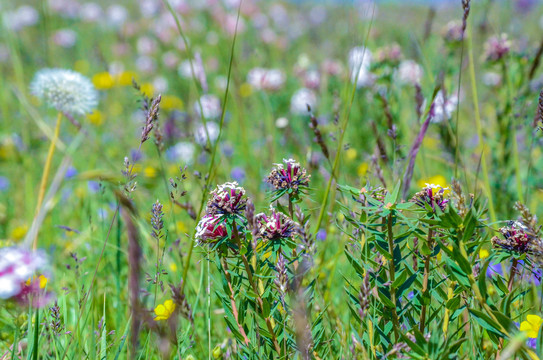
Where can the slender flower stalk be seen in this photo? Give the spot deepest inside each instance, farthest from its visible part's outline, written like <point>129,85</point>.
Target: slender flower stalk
<point>46,170</point>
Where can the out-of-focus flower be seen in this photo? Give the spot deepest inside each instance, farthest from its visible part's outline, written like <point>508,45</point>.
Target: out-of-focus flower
<point>22,17</point>
<point>238,174</point>
<point>201,137</point>
<point>65,38</point>
<point>531,325</point>
<point>17,265</point>
<point>497,47</point>
<point>281,122</point>
<point>211,106</point>
<point>301,99</point>
<point>181,152</point>
<point>439,180</point>
<point>210,230</point>
<point>312,79</point>
<point>452,32</point>
<point>65,90</point>
<point>443,107</point>
<point>275,226</point>
<point>390,53</point>
<point>116,15</point>
<point>227,199</point>
<point>360,59</point>
<point>409,72</point>
<point>164,311</point>
<point>289,177</point>
<point>90,12</point>
<point>432,196</point>
<point>266,79</point>
<point>4,183</point>
<point>492,79</point>
<point>332,67</point>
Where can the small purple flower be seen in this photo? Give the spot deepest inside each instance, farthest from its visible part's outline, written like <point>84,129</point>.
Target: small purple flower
<point>71,172</point>
<point>4,183</point>
<point>135,155</point>
<point>238,174</point>
<point>321,235</point>
<point>93,186</point>
<point>494,268</point>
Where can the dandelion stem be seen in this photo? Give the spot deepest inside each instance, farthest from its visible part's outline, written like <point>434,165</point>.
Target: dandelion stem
<point>46,170</point>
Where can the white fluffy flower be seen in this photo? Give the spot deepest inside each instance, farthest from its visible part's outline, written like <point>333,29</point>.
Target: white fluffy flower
<point>17,265</point>
<point>211,106</point>
<point>359,65</point>
<point>443,107</point>
<point>266,79</point>
<point>65,90</point>
<point>409,72</point>
<point>212,130</point>
<point>181,152</point>
<point>301,99</point>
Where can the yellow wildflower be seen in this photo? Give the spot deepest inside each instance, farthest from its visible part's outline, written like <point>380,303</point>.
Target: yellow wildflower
<point>147,89</point>
<point>149,172</point>
<point>103,81</point>
<point>245,90</point>
<point>42,281</point>
<point>483,253</point>
<point>125,78</point>
<point>531,325</point>
<point>171,102</point>
<point>19,232</point>
<point>350,154</point>
<point>164,311</point>
<point>96,118</point>
<point>363,169</point>
<point>173,267</point>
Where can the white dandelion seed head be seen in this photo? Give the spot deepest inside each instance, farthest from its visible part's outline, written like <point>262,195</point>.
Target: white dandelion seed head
<point>65,90</point>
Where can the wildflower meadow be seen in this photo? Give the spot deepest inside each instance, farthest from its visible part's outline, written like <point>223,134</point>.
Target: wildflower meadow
<point>271,179</point>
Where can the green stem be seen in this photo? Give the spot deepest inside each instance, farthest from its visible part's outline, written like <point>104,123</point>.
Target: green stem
<point>422,322</point>
<point>479,127</point>
<point>392,274</point>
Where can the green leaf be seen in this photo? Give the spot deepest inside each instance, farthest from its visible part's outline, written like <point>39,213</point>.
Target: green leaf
<point>486,322</point>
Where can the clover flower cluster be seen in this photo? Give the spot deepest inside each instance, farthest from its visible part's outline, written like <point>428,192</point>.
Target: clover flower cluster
<point>432,195</point>
<point>288,176</point>
<point>497,47</point>
<point>17,266</point>
<point>516,238</point>
<point>210,230</point>
<point>227,199</point>
<point>266,79</point>
<point>275,226</point>
<point>65,90</point>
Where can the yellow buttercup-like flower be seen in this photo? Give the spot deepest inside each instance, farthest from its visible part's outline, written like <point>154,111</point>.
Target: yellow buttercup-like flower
<point>436,180</point>
<point>483,253</point>
<point>42,281</point>
<point>531,325</point>
<point>103,81</point>
<point>164,311</point>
